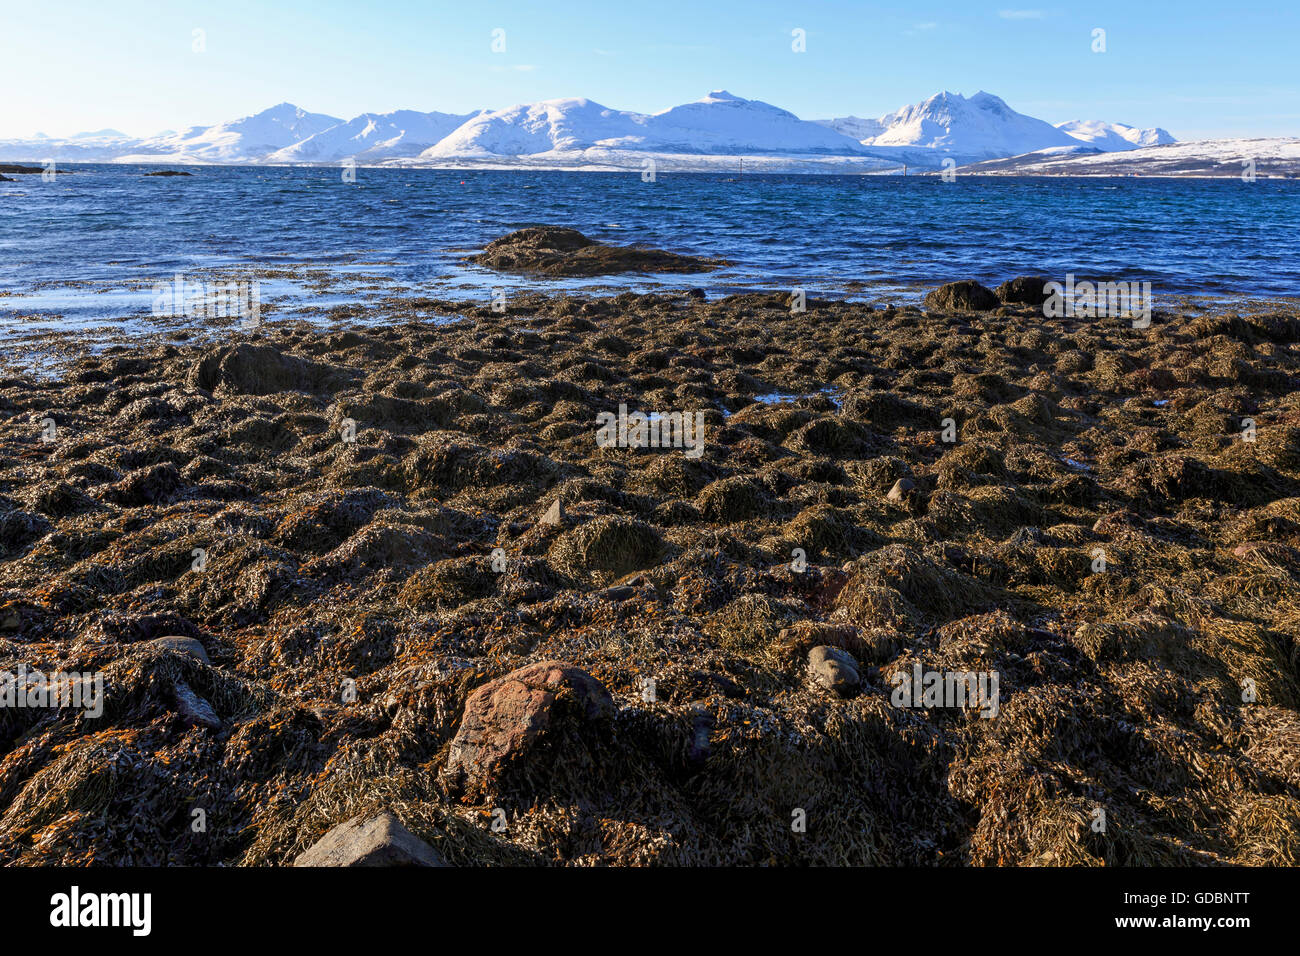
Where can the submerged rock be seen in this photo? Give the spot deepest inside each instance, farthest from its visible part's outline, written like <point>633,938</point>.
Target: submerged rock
<point>378,840</point>
<point>567,252</point>
<point>192,708</point>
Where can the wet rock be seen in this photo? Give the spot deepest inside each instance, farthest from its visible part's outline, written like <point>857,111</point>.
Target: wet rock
<point>504,717</point>
<point>834,669</point>
<point>1024,290</point>
<point>378,840</point>
<point>566,252</point>
<point>169,172</point>
<point>192,708</point>
<point>182,645</point>
<point>964,296</point>
<point>700,747</point>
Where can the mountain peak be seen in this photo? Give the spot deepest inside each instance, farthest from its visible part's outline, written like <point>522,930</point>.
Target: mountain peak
<point>722,96</point>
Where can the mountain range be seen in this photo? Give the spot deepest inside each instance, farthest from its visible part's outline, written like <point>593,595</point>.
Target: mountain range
<point>718,130</point>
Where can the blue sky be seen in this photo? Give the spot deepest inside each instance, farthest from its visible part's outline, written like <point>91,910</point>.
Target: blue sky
<point>1197,68</point>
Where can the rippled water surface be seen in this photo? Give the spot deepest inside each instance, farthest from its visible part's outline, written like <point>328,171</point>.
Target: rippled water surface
<point>88,247</point>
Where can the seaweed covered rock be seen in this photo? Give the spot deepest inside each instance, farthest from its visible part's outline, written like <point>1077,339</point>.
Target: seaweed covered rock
<point>247,369</point>
<point>566,252</point>
<point>503,718</point>
<point>607,547</point>
<point>964,296</point>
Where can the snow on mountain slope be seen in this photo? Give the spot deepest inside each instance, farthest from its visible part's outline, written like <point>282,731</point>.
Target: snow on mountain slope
<point>724,123</point>
<point>855,127</point>
<point>371,137</point>
<point>562,125</point>
<point>981,133</point>
<point>248,139</point>
<point>103,136</point>
<point>1275,157</point>
<point>982,126</point>
<point>720,123</point>
<point>1115,136</point>
<point>83,148</point>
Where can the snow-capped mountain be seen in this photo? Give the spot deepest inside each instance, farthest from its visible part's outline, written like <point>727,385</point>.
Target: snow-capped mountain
<point>1110,137</point>
<point>720,123</point>
<point>724,123</point>
<point>551,126</point>
<point>249,138</point>
<point>982,127</point>
<point>714,132</point>
<point>373,136</point>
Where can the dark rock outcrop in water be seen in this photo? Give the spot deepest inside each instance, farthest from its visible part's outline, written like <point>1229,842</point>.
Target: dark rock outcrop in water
<point>1024,290</point>
<point>964,296</point>
<point>169,172</point>
<point>550,250</point>
<point>29,170</point>
<point>6,179</point>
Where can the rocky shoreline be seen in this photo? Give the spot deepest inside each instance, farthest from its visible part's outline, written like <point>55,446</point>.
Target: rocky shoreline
<point>427,608</point>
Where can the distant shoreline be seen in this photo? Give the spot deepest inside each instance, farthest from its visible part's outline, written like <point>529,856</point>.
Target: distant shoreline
<point>662,171</point>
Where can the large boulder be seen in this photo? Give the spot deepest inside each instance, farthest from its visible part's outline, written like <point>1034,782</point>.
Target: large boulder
<point>834,669</point>
<point>566,252</point>
<point>378,840</point>
<point>504,717</point>
<point>964,296</point>
<point>1024,290</point>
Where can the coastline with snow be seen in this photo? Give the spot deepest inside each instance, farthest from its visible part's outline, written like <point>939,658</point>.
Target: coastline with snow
<point>721,132</point>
